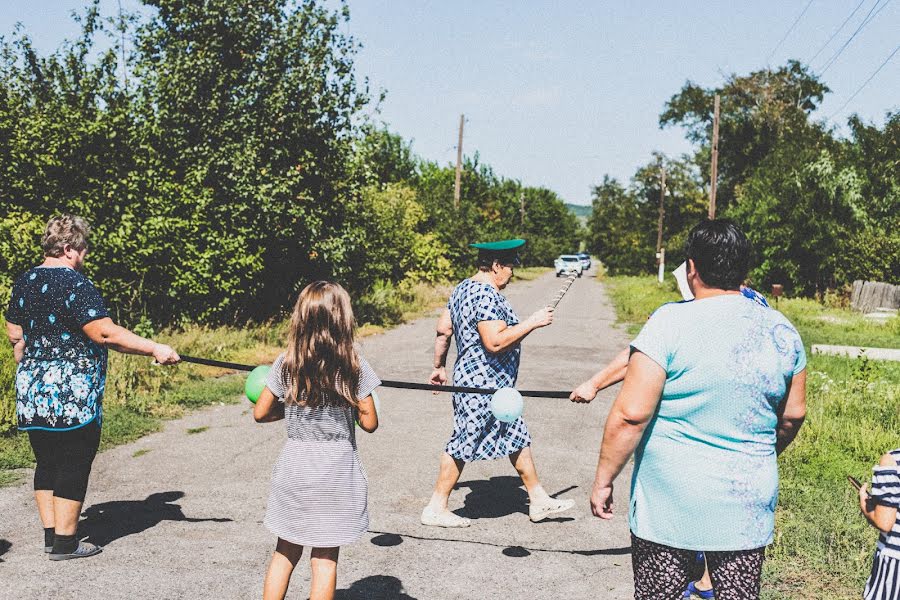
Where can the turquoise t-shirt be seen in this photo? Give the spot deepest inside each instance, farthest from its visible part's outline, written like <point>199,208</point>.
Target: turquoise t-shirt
<point>705,475</point>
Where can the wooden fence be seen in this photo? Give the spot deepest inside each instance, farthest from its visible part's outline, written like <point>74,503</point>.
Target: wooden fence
<point>868,296</point>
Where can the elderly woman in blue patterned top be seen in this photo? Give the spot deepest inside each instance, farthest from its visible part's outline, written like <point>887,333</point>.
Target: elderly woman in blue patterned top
<point>488,337</point>
<point>60,331</point>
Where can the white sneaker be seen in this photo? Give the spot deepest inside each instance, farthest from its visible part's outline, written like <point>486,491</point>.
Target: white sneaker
<point>551,506</point>
<point>443,518</point>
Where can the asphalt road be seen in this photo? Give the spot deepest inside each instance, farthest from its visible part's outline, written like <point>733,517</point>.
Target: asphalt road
<point>180,515</point>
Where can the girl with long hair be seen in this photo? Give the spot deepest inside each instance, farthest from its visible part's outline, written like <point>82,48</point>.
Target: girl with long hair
<point>320,386</point>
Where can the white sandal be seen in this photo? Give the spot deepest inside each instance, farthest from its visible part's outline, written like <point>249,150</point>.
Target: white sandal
<point>551,506</point>
<point>444,518</point>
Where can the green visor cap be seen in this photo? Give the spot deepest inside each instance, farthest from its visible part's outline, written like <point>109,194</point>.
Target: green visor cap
<point>500,246</point>
<point>505,251</point>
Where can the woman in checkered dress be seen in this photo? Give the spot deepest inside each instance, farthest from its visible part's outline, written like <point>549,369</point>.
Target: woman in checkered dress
<point>488,335</point>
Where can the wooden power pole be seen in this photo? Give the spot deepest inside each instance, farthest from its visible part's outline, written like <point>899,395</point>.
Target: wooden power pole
<point>462,120</point>
<point>714,168</point>
<point>660,251</point>
<point>522,211</point>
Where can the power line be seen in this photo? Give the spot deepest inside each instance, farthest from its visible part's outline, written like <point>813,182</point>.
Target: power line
<point>868,19</point>
<point>865,83</point>
<point>790,29</point>
<point>836,31</point>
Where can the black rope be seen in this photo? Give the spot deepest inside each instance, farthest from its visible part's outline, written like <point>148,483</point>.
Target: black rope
<point>404,385</point>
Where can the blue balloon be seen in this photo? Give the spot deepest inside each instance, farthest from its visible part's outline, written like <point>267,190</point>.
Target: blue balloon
<point>507,405</point>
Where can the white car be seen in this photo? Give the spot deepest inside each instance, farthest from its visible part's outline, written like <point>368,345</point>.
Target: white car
<point>568,263</point>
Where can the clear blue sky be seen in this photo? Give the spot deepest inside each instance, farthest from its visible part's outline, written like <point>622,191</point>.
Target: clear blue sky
<point>560,93</point>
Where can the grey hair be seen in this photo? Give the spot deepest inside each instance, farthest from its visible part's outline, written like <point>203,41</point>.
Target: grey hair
<point>64,230</point>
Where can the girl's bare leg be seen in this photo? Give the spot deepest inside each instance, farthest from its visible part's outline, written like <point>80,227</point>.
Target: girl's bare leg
<point>284,559</point>
<point>323,562</point>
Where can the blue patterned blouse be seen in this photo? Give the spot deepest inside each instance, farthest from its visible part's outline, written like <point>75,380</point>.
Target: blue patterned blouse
<point>705,475</point>
<point>60,381</point>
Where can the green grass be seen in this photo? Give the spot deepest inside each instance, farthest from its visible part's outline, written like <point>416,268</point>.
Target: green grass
<point>823,546</point>
<point>139,453</point>
<point>194,430</point>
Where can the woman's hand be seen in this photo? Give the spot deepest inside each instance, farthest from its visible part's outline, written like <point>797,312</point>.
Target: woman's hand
<point>865,500</point>
<point>602,500</point>
<point>438,377</point>
<point>165,355</point>
<point>541,318</point>
<point>585,392</point>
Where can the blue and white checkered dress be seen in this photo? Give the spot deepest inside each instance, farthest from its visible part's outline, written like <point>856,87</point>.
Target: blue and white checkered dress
<point>477,435</point>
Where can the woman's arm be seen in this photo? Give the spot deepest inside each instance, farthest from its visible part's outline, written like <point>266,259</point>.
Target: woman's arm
<point>368,416</point>
<point>441,347</point>
<point>497,336</point>
<point>609,375</point>
<point>268,408</point>
<point>106,333</point>
<point>628,418</point>
<point>881,517</point>
<point>792,412</point>
<point>17,339</point>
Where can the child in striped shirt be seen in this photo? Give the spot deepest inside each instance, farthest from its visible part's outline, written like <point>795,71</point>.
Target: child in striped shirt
<point>880,508</point>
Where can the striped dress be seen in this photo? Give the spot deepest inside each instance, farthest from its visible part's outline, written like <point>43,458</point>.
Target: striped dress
<point>884,582</point>
<point>319,490</point>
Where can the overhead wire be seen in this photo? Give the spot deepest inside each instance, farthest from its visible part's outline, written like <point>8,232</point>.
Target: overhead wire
<point>836,31</point>
<point>865,83</point>
<point>790,29</point>
<point>870,16</point>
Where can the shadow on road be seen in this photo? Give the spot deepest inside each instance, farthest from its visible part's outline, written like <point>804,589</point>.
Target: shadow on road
<point>5,545</point>
<point>376,587</point>
<point>493,498</point>
<point>387,539</point>
<point>106,522</point>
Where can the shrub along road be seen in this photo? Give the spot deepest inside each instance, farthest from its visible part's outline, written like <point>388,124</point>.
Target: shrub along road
<point>180,512</point>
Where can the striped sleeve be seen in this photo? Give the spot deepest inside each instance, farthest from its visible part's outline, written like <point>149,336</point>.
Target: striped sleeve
<point>886,486</point>
<point>276,380</point>
<point>368,380</point>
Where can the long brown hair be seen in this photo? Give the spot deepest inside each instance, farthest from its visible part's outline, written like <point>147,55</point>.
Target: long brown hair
<point>320,365</point>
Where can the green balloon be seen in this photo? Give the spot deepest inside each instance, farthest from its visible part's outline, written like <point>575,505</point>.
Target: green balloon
<point>256,381</point>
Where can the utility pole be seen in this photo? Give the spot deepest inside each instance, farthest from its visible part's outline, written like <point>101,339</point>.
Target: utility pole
<point>522,211</point>
<point>660,251</point>
<point>462,120</point>
<point>714,168</point>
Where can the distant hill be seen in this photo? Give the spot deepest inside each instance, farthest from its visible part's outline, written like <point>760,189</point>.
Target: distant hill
<point>579,210</point>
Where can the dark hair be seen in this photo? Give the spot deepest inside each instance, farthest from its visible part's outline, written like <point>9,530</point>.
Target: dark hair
<point>721,253</point>
<point>486,258</point>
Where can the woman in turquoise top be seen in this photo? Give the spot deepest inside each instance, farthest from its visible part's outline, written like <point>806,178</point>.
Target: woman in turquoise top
<point>715,389</point>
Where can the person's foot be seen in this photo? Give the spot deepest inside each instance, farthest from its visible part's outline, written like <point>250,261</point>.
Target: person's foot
<point>48,549</point>
<point>693,590</point>
<point>538,511</point>
<point>442,518</point>
<point>83,550</point>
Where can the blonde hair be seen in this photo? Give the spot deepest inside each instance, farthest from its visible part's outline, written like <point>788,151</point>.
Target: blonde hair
<point>320,365</point>
<point>63,230</point>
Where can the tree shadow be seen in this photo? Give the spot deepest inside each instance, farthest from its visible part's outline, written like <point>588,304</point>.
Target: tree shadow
<point>5,545</point>
<point>107,522</point>
<point>375,587</point>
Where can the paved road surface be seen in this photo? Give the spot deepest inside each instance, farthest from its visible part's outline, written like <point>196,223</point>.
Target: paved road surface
<point>184,519</point>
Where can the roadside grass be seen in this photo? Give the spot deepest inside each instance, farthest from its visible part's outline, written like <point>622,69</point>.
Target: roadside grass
<point>140,396</point>
<point>529,273</point>
<point>823,547</point>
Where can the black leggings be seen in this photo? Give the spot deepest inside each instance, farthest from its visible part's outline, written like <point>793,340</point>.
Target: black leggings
<point>663,573</point>
<point>64,460</point>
